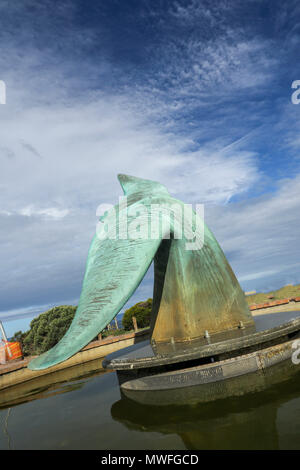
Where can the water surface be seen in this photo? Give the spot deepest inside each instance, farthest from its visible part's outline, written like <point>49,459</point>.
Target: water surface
<point>85,410</point>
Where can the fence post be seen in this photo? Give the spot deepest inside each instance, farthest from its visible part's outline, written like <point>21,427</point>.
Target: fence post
<point>135,326</point>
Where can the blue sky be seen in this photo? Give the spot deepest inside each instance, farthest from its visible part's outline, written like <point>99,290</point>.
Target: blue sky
<point>194,94</point>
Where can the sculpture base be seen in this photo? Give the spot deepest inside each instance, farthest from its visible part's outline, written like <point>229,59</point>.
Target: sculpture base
<point>140,368</point>
<point>137,406</point>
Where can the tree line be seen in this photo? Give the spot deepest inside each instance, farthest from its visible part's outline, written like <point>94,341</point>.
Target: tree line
<point>49,327</point>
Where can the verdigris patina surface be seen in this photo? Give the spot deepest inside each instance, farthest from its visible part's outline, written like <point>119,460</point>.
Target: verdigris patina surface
<point>195,290</point>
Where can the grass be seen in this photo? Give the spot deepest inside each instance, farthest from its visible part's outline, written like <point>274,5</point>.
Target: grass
<point>114,332</point>
<point>282,293</point>
<point>119,332</point>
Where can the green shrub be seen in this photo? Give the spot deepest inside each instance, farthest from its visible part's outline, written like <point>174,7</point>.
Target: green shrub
<point>46,330</point>
<point>141,311</point>
<point>18,336</point>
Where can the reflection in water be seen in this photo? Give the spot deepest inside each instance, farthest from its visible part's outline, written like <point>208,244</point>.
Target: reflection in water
<point>81,408</point>
<point>203,393</point>
<point>247,418</point>
<point>50,384</point>
<point>5,429</point>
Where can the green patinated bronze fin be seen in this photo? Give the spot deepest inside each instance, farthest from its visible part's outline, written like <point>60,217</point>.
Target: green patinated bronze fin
<point>194,290</point>
<point>133,185</point>
<point>114,270</point>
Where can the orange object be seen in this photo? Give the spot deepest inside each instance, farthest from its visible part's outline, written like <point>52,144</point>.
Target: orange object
<point>13,350</point>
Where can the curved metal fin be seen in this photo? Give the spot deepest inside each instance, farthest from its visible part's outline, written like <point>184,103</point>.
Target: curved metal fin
<point>114,270</point>
<point>132,184</point>
<point>195,292</point>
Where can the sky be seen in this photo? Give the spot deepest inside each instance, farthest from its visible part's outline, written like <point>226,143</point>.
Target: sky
<point>193,94</point>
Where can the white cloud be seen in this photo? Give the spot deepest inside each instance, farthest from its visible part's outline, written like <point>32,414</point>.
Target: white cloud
<point>261,235</point>
<point>85,145</point>
<point>24,312</point>
<point>50,212</point>
<point>259,275</point>
<point>52,193</point>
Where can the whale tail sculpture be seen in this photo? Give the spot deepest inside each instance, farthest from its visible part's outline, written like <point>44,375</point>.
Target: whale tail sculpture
<point>195,290</point>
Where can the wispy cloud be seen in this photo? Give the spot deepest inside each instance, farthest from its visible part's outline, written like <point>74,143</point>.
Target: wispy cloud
<point>259,275</point>
<point>49,212</point>
<point>261,236</point>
